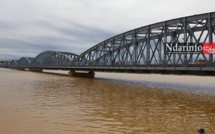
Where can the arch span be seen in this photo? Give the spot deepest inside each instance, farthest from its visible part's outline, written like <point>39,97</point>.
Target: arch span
<point>25,61</point>
<point>13,62</point>
<point>145,46</point>
<point>6,64</point>
<point>54,58</point>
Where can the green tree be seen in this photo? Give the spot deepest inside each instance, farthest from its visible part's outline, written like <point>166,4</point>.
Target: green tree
<point>1,61</point>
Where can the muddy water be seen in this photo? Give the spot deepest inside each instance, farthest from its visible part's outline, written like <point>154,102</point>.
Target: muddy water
<point>41,103</point>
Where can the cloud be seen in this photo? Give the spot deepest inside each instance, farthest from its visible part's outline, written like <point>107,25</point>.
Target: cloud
<point>45,35</point>
<point>79,32</point>
<point>29,27</point>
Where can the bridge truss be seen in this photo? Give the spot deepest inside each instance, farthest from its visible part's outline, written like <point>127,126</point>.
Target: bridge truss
<point>145,46</point>
<point>139,49</point>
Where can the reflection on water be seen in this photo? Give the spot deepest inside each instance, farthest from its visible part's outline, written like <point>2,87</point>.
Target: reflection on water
<point>52,104</point>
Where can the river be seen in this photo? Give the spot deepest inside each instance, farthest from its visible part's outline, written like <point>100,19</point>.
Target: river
<point>112,103</point>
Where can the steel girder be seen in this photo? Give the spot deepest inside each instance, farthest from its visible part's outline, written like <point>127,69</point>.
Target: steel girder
<point>6,64</point>
<point>25,61</point>
<point>142,46</point>
<point>13,62</point>
<point>54,58</point>
<point>145,45</point>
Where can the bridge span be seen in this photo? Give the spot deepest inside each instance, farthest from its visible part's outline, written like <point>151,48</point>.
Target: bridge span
<point>183,45</point>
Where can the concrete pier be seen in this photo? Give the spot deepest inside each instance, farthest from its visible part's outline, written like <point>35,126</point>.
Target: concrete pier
<point>36,69</point>
<point>21,69</point>
<point>89,74</point>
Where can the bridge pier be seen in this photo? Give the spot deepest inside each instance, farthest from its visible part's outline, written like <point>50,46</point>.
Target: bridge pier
<point>21,69</point>
<point>36,69</point>
<point>90,74</point>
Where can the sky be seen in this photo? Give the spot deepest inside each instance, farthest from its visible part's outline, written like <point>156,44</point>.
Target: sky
<point>29,27</point>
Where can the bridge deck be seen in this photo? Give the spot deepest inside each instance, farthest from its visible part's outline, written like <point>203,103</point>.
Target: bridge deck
<point>138,69</point>
<point>165,47</point>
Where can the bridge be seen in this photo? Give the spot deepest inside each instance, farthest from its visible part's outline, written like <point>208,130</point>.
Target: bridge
<point>148,49</point>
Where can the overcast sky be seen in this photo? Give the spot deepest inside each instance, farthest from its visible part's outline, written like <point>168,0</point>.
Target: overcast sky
<point>28,27</point>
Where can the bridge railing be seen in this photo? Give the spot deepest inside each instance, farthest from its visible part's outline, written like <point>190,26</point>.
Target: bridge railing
<point>117,65</point>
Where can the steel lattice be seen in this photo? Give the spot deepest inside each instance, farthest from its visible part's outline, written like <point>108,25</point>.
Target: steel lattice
<point>142,47</point>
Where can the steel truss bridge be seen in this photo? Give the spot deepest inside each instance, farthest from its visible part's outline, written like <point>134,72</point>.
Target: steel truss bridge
<point>138,50</point>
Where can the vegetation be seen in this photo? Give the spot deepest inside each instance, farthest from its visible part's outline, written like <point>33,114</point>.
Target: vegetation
<point>1,61</point>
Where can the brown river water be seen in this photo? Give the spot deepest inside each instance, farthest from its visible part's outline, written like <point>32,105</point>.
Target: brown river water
<point>44,103</point>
